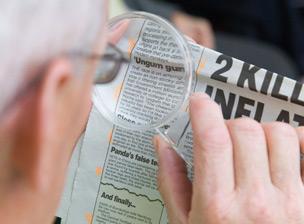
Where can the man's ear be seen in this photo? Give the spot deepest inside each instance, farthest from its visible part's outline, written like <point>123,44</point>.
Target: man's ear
<point>36,154</point>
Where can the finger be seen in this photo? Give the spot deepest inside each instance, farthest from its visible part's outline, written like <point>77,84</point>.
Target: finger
<point>213,159</point>
<point>300,132</point>
<point>174,185</point>
<point>189,39</point>
<point>284,154</point>
<point>206,34</point>
<point>117,31</point>
<point>250,152</point>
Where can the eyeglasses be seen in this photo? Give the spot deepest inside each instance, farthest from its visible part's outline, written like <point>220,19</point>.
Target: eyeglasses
<point>109,63</point>
<point>107,69</point>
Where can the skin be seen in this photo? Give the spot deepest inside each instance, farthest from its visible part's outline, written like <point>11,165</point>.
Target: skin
<point>244,172</point>
<point>37,137</point>
<point>198,29</point>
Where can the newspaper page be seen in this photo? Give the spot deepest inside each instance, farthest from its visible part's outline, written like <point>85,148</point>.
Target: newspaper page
<point>116,178</point>
<point>241,90</point>
<point>113,176</point>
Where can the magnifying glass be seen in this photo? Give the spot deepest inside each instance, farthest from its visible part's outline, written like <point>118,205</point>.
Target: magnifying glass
<point>152,85</point>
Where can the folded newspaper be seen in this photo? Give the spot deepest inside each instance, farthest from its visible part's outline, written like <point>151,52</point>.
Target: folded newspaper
<point>112,175</point>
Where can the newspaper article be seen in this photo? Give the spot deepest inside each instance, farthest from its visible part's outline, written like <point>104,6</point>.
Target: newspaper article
<point>112,177</point>
<point>154,81</point>
<point>116,178</point>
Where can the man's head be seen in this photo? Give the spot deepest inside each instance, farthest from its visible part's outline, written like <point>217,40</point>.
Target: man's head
<point>39,125</point>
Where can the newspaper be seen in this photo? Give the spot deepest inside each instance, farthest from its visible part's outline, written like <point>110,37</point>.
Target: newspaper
<point>112,176</point>
<point>241,90</point>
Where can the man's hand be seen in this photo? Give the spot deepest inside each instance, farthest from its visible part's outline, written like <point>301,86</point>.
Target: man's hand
<point>244,172</point>
<point>200,30</point>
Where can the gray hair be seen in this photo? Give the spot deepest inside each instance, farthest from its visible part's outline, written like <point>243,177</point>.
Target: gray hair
<point>32,32</point>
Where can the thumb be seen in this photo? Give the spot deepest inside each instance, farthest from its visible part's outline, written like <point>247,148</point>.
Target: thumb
<point>174,185</point>
<point>117,31</point>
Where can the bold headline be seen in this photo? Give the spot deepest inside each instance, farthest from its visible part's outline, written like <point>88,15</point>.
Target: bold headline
<point>250,107</point>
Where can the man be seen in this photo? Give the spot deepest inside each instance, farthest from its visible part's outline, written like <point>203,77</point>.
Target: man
<point>45,105</point>
<point>45,99</point>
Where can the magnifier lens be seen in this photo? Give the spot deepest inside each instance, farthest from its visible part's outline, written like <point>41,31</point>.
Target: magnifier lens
<point>147,72</point>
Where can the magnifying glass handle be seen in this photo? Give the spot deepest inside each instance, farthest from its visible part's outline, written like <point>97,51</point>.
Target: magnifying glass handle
<point>174,145</point>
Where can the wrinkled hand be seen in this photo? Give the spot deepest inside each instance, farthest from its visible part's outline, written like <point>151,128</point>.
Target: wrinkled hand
<point>198,29</point>
<point>244,172</point>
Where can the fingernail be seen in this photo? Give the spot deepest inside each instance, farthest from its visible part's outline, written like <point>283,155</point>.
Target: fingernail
<point>156,146</point>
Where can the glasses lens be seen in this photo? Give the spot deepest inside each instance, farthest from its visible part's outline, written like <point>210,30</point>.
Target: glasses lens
<point>150,89</point>
<point>108,67</point>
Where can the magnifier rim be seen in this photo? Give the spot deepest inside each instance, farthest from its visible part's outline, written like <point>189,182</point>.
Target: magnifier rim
<point>183,43</point>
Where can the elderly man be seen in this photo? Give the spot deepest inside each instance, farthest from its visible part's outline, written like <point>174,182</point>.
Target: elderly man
<point>45,105</point>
